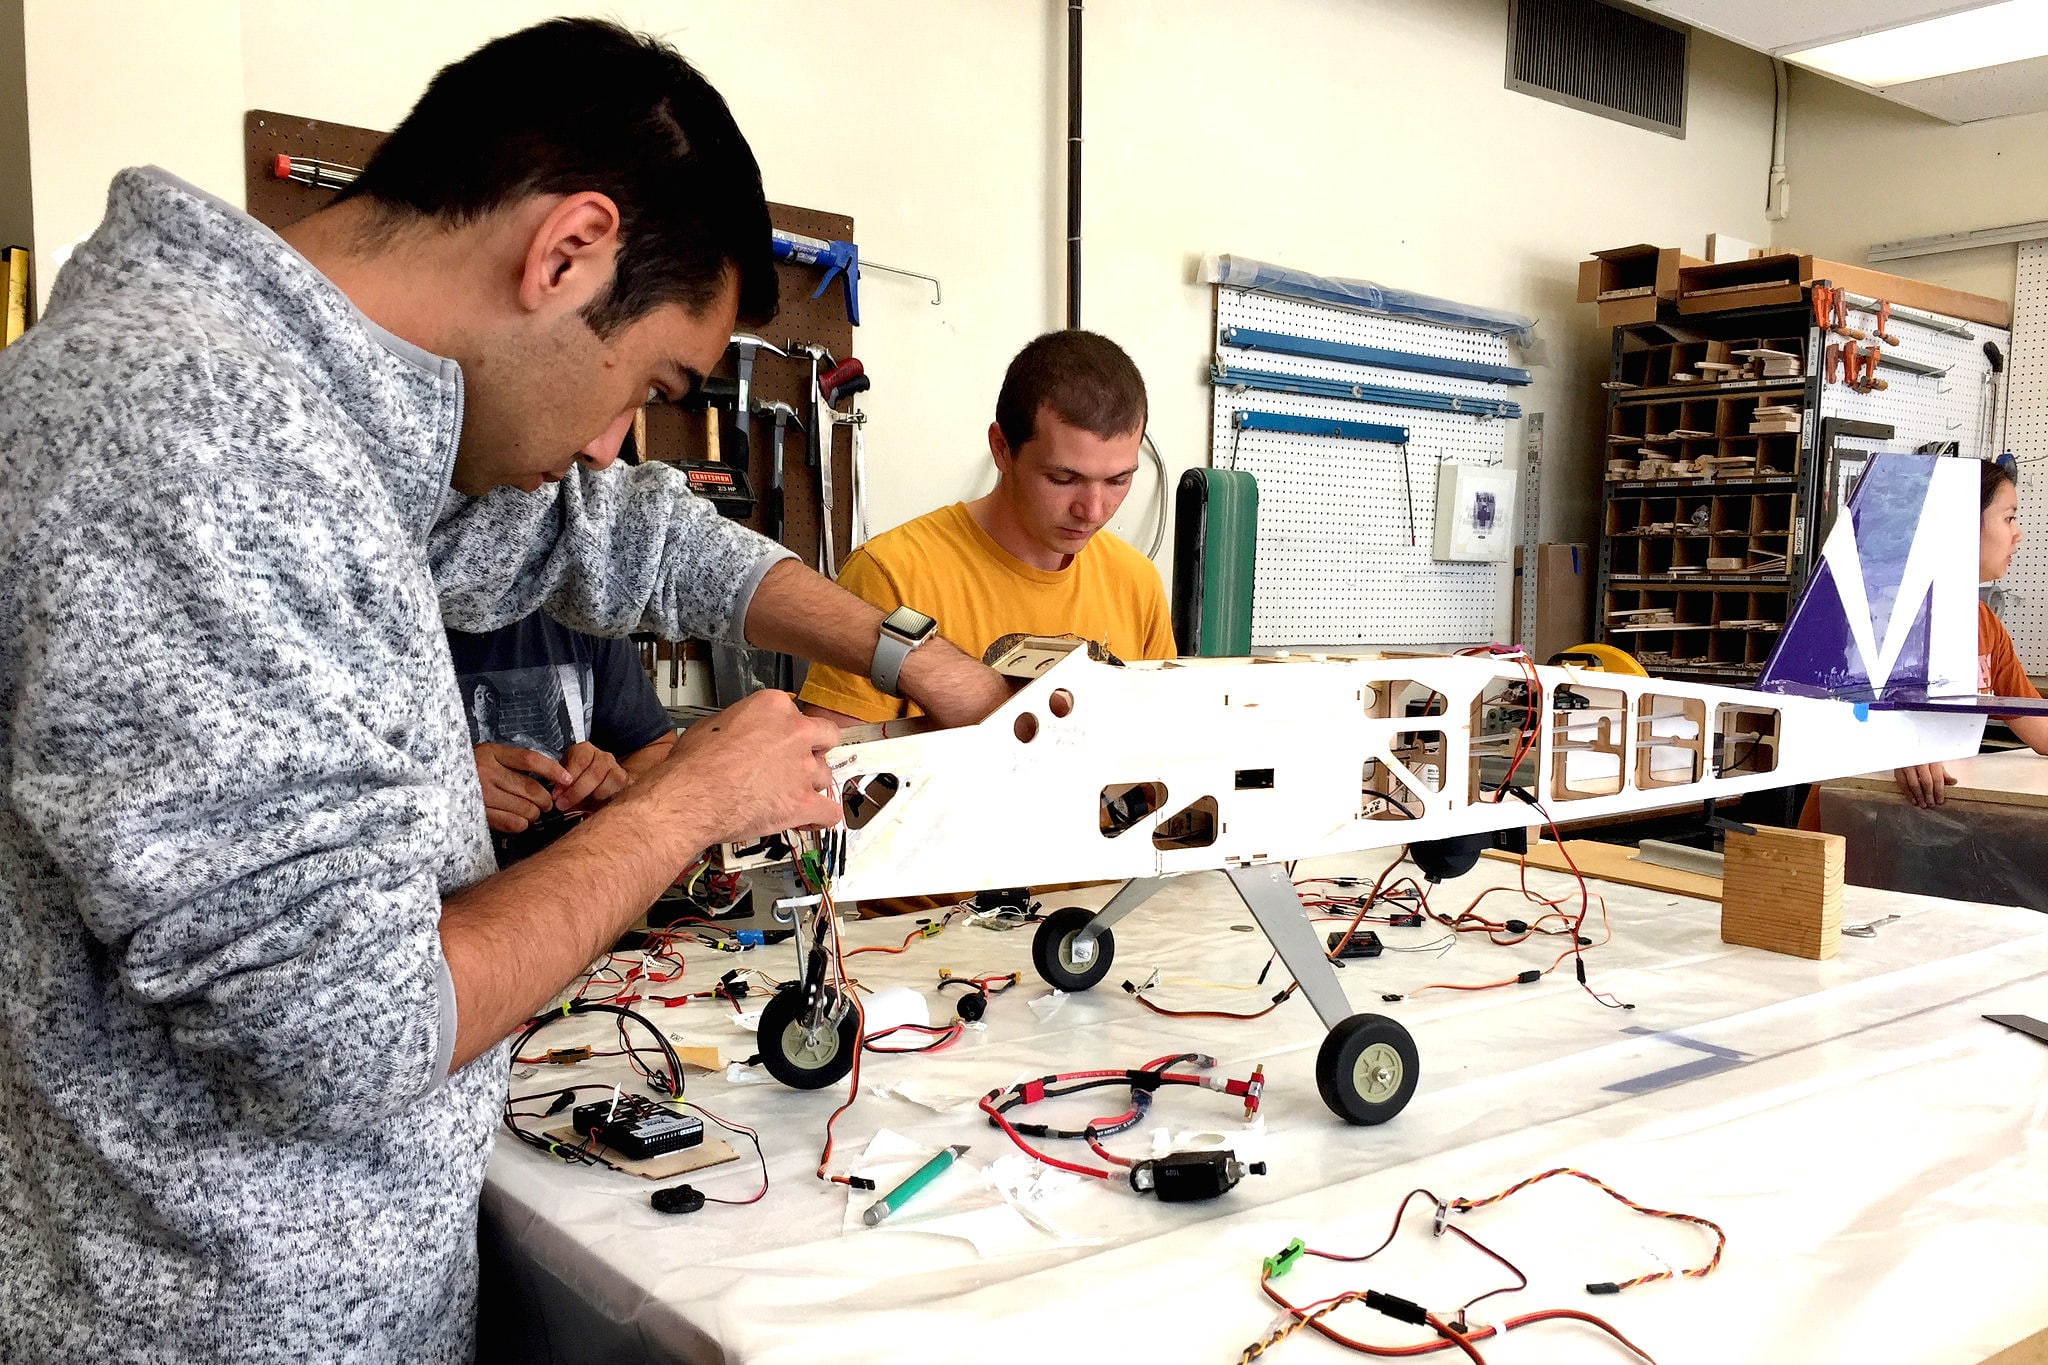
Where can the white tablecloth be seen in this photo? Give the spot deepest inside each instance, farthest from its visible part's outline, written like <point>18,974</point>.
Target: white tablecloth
<point>1877,1153</point>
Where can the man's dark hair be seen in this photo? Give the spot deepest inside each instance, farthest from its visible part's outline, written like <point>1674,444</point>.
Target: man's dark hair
<point>578,104</point>
<point>1990,479</point>
<point>1086,379</point>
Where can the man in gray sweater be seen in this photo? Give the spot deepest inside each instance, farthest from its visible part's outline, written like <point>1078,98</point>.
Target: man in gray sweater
<point>255,969</point>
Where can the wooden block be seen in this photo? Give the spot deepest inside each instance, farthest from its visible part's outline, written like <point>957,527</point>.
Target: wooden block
<point>1781,890</point>
<point>1724,564</point>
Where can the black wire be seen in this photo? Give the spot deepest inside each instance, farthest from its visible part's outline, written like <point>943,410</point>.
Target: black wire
<point>750,1135</point>
<point>540,1141</point>
<point>1722,769</point>
<point>1398,805</point>
<point>675,1086</point>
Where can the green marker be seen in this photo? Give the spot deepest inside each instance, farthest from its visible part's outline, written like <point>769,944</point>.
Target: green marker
<point>921,1177</point>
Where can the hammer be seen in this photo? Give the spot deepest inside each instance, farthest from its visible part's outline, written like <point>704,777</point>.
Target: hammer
<point>818,442</point>
<point>783,414</point>
<point>747,344</point>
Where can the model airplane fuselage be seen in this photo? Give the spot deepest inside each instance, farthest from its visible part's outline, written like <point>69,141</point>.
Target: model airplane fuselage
<point>1097,771</point>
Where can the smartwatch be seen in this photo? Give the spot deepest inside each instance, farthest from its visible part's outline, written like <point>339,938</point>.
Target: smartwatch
<point>902,631</point>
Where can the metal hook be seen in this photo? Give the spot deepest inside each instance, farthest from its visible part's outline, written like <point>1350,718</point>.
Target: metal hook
<point>894,270</point>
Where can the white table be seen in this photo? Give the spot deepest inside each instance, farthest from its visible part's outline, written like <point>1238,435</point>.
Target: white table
<point>1870,1145</point>
<point>1988,841</point>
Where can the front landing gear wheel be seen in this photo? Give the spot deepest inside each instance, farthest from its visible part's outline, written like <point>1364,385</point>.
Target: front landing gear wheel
<point>1053,953</point>
<point>800,1059</point>
<point>1367,1069</point>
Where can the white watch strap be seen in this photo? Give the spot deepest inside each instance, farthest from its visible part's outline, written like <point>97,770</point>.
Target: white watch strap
<point>887,666</point>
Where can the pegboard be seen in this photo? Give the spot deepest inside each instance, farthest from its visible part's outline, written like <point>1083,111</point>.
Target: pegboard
<point>2022,601</point>
<point>672,434</point>
<point>1340,560</point>
<point>1922,409</point>
<point>275,203</point>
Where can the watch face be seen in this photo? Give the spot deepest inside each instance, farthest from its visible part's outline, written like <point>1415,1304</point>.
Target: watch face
<point>911,625</point>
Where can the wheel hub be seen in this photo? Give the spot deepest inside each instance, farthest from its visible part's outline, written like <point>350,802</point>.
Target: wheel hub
<point>810,1049</point>
<point>1076,954</point>
<point>1377,1073</point>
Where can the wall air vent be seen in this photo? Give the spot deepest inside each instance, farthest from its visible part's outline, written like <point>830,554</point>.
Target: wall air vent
<point>1600,58</point>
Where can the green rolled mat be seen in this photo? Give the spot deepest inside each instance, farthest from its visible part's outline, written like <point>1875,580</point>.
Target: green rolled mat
<point>1216,533</point>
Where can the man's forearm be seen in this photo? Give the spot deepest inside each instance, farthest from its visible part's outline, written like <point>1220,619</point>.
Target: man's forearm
<point>644,759</point>
<point>513,940</point>
<point>2032,731</point>
<point>795,611</point>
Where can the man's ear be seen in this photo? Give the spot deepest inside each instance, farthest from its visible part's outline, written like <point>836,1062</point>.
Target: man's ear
<point>999,449</point>
<point>571,255</point>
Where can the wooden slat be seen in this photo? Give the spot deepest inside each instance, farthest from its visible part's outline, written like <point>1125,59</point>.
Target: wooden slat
<point>1617,863</point>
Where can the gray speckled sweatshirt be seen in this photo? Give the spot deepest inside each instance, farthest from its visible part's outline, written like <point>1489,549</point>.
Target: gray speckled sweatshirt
<point>235,784</point>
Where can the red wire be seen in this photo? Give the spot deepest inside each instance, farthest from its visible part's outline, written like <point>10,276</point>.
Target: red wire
<point>944,1037</point>
<point>860,1029</point>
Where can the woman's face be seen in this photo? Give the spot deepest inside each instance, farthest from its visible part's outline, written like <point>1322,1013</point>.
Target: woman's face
<point>1999,535</point>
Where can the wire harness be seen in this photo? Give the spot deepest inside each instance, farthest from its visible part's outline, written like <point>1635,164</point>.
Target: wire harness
<point>1454,1330</point>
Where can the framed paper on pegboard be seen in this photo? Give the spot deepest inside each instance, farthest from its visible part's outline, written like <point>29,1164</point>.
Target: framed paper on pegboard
<point>1347,440</point>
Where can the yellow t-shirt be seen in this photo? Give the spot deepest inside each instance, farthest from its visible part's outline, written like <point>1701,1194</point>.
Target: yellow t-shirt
<point>944,565</point>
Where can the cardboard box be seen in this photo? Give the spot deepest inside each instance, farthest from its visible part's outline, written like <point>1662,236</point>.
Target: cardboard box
<point>1762,282</point>
<point>1629,272</point>
<point>1564,597</point>
<point>1631,282</point>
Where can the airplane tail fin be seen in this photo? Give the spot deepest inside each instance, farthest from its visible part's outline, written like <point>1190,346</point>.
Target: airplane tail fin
<point>1890,614</point>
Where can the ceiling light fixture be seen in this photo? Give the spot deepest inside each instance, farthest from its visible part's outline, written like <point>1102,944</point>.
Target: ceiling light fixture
<point>1992,35</point>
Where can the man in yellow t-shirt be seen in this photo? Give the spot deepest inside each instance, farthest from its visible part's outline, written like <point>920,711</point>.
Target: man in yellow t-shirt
<point>1031,557</point>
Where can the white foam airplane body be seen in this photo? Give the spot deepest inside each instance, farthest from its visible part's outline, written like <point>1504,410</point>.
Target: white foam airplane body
<point>1141,772</point>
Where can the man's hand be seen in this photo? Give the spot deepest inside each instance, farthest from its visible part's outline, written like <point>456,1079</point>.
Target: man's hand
<point>513,798</point>
<point>756,768</point>
<point>1925,785</point>
<point>594,777</point>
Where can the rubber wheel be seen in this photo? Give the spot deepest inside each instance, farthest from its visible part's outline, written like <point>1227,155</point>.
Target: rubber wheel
<point>800,1062</point>
<point>1367,1069</point>
<point>1052,950</point>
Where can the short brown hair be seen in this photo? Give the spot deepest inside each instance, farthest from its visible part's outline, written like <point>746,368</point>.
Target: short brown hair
<point>1085,378</point>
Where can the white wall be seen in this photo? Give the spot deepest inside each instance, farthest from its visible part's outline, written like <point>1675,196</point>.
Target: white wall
<point>1866,170</point>
<point>114,83</point>
<point>1352,137</point>
<point>1377,140</point>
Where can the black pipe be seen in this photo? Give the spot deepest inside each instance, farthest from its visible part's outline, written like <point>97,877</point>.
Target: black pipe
<point>1074,163</point>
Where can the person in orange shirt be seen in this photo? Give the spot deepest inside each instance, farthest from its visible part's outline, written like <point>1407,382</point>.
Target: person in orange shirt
<point>1031,557</point>
<point>1998,669</point>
